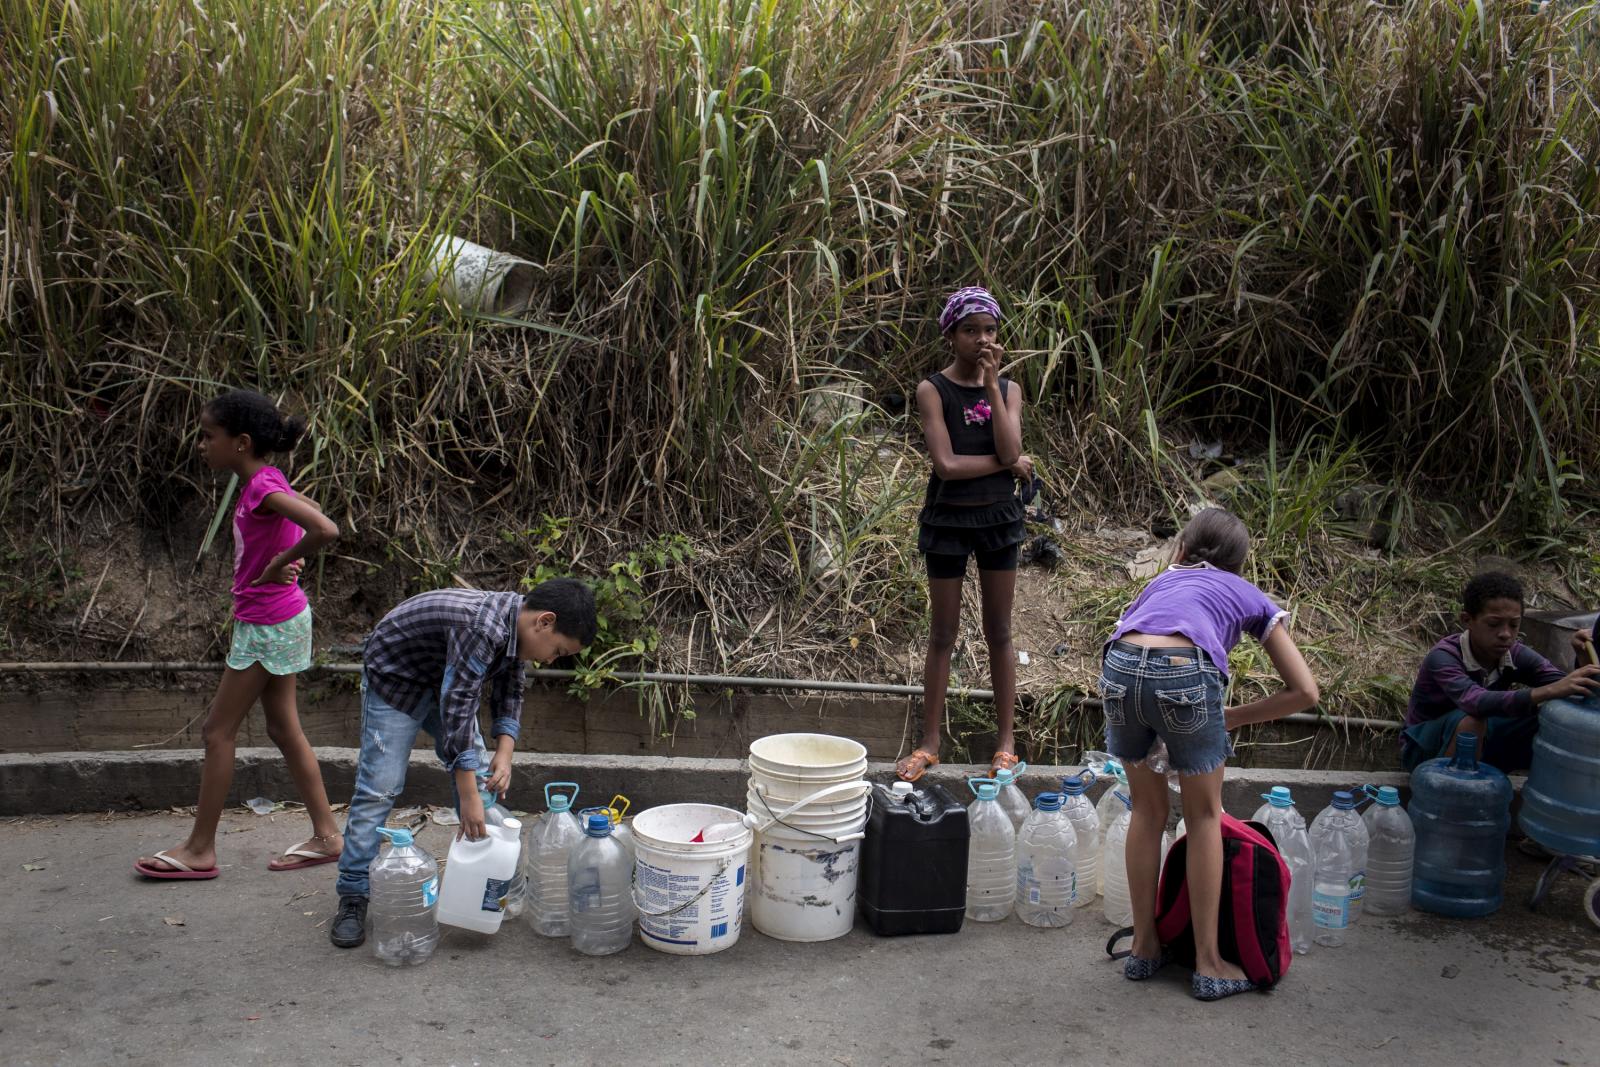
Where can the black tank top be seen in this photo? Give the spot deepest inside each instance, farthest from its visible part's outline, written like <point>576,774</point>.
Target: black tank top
<point>968,439</point>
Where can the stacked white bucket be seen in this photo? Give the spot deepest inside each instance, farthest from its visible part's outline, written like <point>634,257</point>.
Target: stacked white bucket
<point>808,798</point>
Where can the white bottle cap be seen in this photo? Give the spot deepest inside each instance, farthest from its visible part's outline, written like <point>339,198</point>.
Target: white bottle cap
<point>901,789</point>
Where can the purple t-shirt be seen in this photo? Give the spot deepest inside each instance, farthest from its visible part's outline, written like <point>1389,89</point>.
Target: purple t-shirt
<point>258,537</point>
<point>1211,607</point>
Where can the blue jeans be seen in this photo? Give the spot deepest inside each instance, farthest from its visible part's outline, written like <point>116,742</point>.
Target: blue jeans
<point>387,737</point>
<point>1171,693</point>
<point>1508,745</point>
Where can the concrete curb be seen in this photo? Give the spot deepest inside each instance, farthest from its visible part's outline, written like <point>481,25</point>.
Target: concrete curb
<point>36,783</point>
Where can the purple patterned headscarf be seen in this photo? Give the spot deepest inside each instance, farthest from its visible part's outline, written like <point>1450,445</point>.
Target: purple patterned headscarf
<point>964,302</point>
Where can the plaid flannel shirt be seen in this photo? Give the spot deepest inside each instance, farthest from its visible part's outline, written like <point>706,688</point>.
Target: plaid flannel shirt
<point>452,642</point>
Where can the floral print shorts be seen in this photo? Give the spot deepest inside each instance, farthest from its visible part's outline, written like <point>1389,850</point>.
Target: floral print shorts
<point>281,647</point>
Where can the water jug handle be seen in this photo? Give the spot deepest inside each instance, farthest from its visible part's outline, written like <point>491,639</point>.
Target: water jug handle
<point>1088,776</point>
<point>1367,794</point>
<point>561,785</point>
<point>622,808</point>
<point>974,783</point>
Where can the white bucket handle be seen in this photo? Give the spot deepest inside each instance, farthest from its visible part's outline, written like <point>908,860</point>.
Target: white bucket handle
<point>633,891</point>
<point>821,794</point>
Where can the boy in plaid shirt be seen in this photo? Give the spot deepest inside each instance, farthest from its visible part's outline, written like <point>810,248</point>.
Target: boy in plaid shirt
<point>427,666</point>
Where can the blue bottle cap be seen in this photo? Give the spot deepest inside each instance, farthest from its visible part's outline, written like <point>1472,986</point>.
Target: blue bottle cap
<point>1389,796</point>
<point>986,788</point>
<point>1048,801</point>
<point>1279,797</point>
<point>396,838</point>
<point>1343,801</point>
<point>1075,785</point>
<point>599,825</point>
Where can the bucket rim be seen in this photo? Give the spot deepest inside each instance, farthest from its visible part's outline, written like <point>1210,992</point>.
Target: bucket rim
<point>856,748</point>
<point>647,841</point>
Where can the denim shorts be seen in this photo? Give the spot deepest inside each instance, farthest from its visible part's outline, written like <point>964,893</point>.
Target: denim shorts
<point>1172,693</point>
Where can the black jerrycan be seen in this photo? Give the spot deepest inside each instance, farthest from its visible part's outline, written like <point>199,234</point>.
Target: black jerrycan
<point>913,876</point>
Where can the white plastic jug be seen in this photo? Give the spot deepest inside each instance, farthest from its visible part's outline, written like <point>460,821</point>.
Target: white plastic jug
<point>1047,866</point>
<point>477,875</point>
<point>544,861</point>
<point>991,855</point>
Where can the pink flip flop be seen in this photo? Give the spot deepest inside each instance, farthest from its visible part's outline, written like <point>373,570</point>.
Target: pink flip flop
<point>180,872</point>
<point>307,858</point>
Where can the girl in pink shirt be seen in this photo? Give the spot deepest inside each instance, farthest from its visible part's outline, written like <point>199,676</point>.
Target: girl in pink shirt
<point>274,531</point>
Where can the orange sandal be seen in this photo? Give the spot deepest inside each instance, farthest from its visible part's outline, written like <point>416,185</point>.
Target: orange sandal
<point>920,759</point>
<point>1003,761</point>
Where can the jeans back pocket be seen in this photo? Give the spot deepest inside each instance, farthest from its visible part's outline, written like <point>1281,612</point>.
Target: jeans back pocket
<point>1186,710</point>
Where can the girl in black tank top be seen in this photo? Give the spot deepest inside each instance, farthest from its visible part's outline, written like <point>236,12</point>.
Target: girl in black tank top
<point>972,421</point>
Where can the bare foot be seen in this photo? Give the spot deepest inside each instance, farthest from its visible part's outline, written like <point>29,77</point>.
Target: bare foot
<point>195,861</point>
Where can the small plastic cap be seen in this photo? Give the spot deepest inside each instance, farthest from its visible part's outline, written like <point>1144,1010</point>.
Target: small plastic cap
<point>988,790</point>
<point>1389,796</point>
<point>560,802</point>
<point>1343,800</point>
<point>599,825</point>
<point>901,789</point>
<point>1048,802</point>
<point>1004,776</point>
<point>397,838</point>
<point>1279,797</point>
<point>1073,785</point>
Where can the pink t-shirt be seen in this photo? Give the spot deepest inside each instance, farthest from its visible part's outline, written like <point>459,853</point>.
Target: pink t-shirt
<point>259,536</point>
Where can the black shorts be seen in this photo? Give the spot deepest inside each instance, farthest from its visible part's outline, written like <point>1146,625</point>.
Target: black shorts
<point>950,565</point>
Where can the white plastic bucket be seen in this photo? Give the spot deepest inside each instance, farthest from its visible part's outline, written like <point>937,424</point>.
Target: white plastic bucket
<point>767,810</point>
<point>850,796</point>
<point>808,757</point>
<point>481,278</point>
<point>805,885</point>
<point>690,896</point>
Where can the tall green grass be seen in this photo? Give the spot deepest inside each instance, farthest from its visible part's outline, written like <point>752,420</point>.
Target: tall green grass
<point>1372,223</point>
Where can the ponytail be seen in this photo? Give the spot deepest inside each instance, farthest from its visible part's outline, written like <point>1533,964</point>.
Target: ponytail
<point>244,412</point>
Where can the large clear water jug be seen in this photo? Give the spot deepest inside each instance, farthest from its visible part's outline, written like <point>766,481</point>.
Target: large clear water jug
<point>1461,810</point>
<point>1332,846</point>
<point>1117,905</point>
<point>545,856</point>
<point>404,888</point>
<point>600,891</point>
<point>1391,851</point>
<point>991,855</point>
<point>1288,832</point>
<point>1561,802</point>
<point>1086,825</point>
<point>1047,866</point>
<point>1341,818</point>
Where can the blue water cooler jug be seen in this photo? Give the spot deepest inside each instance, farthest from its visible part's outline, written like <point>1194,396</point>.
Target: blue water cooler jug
<point>1561,802</point>
<point>1461,809</point>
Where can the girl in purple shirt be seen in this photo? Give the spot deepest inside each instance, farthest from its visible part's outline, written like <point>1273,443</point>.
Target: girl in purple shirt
<point>274,530</point>
<point>1165,676</point>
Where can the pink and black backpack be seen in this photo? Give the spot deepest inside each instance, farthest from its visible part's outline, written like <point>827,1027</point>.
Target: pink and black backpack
<point>1252,922</point>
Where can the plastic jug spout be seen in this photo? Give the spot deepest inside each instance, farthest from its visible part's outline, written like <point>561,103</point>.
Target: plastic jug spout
<point>396,838</point>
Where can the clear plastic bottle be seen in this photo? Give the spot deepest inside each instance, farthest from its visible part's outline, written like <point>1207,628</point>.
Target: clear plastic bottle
<point>1335,868</point>
<point>600,891</point>
<point>1086,826</point>
<point>1391,851</point>
<point>1108,809</point>
<point>1012,801</point>
<point>1288,831</point>
<point>1341,817</point>
<point>1117,905</point>
<point>991,855</point>
<point>545,857</point>
<point>404,886</point>
<point>1047,868</point>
